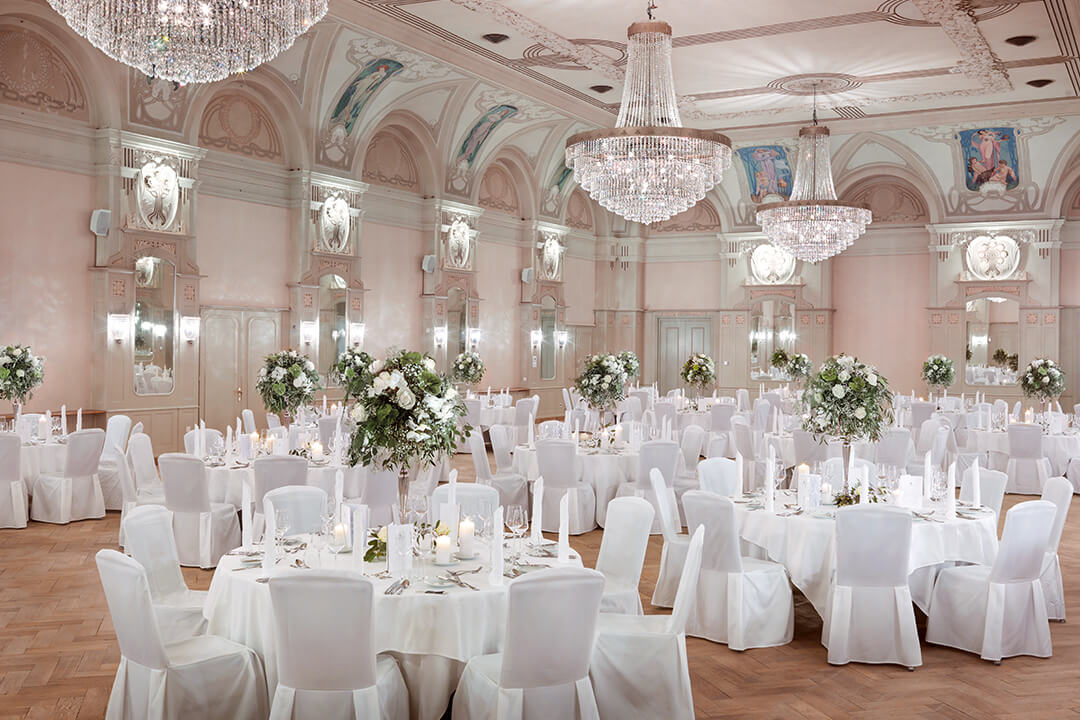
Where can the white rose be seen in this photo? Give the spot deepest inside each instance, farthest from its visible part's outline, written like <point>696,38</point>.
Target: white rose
<point>839,391</point>
<point>358,413</point>
<point>872,379</point>
<point>309,366</point>
<point>20,373</point>
<point>16,352</point>
<point>298,382</point>
<point>451,393</point>
<point>4,359</point>
<point>1045,379</point>
<point>429,364</point>
<point>405,399</point>
<point>860,413</point>
<point>843,376</point>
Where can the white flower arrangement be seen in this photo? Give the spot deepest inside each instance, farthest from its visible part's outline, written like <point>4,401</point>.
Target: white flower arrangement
<point>938,371</point>
<point>20,372</point>
<point>468,368</point>
<point>847,400</point>
<point>799,367</point>
<point>699,370</point>
<point>630,363</point>
<point>352,371</point>
<point>287,380</point>
<point>1043,379</point>
<point>602,382</point>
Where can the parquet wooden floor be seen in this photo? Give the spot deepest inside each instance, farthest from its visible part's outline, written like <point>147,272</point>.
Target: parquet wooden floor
<point>58,653</point>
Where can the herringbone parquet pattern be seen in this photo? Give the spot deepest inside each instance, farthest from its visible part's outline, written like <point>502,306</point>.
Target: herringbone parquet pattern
<point>58,653</point>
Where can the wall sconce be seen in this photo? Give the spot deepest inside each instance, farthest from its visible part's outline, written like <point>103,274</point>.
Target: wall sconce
<point>536,338</point>
<point>440,336</point>
<point>562,337</point>
<point>474,338</point>
<point>189,328</point>
<point>308,330</point>
<point>356,334</point>
<point>118,327</point>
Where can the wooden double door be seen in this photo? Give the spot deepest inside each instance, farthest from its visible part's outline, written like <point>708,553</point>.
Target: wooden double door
<point>234,345</point>
<point>679,337</point>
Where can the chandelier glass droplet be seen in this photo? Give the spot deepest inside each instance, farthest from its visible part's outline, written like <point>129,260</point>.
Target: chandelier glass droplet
<point>191,41</point>
<point>648,167</point>
<point>813,225</point>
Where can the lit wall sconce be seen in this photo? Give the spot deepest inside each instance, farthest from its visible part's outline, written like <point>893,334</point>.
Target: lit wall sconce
<point>356,334</point>
<point>536,339</point>
<point>440,336</point>
<point>308,331</point>
<point>118,327</point>
<point>562,337</point>
<point>474,338</point>
<point>189,328</point>
<point>159,330</point>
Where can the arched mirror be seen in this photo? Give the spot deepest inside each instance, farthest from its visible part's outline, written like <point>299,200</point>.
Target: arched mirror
<point>772,327</point>
<point>993,341</point>
<point>333,321</point>
<point>457,323</point>
<point>155,326</point>
<point>547,347</point>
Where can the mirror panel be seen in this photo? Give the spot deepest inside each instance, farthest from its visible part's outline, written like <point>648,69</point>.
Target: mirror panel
<point>547,348</point>
<point>772,327</point>
<point>457,323</point>
<point>155,326</point>
<point>993,341</point>
<point>333,322</point>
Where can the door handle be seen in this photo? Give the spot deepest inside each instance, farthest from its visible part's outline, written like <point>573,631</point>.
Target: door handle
<point>239,395</point>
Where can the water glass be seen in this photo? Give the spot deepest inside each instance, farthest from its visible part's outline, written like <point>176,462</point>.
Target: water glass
<point>517,524</point>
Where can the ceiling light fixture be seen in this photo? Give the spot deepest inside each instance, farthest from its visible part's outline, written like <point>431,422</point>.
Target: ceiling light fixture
<point>648,167</point>
<point>495,38</point>
<point>191,41</point>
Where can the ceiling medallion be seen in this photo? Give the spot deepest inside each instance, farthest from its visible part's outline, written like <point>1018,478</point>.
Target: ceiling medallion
<point>648,167</point>
<point>191,41</point>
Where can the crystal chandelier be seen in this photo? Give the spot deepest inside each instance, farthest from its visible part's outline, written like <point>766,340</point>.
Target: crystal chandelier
<point>813,225</point>
<point>191,41</point>
<point>648,167</point>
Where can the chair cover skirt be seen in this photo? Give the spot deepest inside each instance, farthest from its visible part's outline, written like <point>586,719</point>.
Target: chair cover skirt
<point>202,538</point>
<point>672,558</point>
<point>62,499</point>
<point>582,506</point>
<point>478,693</point>
<point>642,490</point>
<point>754,609</point>
<point>871,625</point>
<point>109,479</point>
<point>388,700</point>
<point>1052,588</point>
<point>180,616</point>
<point>1027,476</point>
<point>13,504</point>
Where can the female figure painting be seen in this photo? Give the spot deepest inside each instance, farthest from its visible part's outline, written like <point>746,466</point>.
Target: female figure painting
<point>481,130</point>
<point>767,171</point>
<point>360,89</point>
<point>989,157</point>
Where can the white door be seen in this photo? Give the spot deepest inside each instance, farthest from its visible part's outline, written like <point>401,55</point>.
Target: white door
<point>679,338</point>
<point>234,345</point>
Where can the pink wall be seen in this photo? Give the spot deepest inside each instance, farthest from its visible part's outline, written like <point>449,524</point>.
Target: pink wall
<point>682,286</point>
<point>391,269</point>
<point>579,283</point>
<point>499,284</point>
<point>881,314</point>
<point>243,250</point>
<point>1070,277</point>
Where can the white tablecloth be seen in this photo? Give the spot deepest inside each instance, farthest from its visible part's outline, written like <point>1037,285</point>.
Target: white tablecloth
<point>227,483</point>
<point>805,544</point>
<point>603,469</point>
<point>35,459</point>
<point>433,636</point>
<point>496,416</point>
<point>1057,448</point>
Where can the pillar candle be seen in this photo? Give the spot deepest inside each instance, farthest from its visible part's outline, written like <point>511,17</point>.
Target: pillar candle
<point>976,486</point>
<point>466,533</point>
<point>442,549</point>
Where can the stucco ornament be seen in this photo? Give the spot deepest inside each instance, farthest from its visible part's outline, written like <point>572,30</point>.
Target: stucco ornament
<point>158,195</point>
<point>334,223</point>
<point>771,265</point>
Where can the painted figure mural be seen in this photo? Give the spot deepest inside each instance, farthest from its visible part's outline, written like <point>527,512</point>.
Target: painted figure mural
<point>360,89</point>
<point>482,130</point>
<point>767,171</point>
<point>989,157</point>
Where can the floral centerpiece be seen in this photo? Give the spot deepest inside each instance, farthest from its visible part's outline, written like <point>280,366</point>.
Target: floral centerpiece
<point>408,414</point>
<point>699,370</point>
<point>468,368</point>
<point>287,380</point>
<point>799,367</point>
<point>630,363</point>
<point>780,359</point>
<point>1043,379</point>
<point>602,382</point>
<point>352,371</point>
<point>847,400</point>
<point>938,371</point>
<point>20,372</point>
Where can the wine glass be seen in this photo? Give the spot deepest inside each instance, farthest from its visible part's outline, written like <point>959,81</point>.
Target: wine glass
<point>281,526</point>
<point>517,524</point>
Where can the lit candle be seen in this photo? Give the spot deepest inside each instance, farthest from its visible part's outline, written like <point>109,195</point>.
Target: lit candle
<point>1029,416</point>
<point>340,538</point>
<point>466,532</point>
<point>43,428</point>
<point>442,549</point>
<point>317,451</point>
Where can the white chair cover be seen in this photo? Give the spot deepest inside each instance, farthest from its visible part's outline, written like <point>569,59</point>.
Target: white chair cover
<point>894,448</point>
<point>524,415</point>
<point>320,675</point>
<point>722,443</point>
<point>754,470</point>
<point>920,413</point>
<point>213,437</point>
<point>1059,491</point>
<point>249,421</point>
<point>991,488</point>
<point>720,476</point>
<point>149,539</point>
<point>870,616</point>
<point>673,554</point>
<point>304,505</point>
<point>544,672</point>
<point>204,531</point>
<point>380,494</point>
<point>743,602</point>
<point>76,495</point>
<point>1028,468</point>
<point>272,421</point>
<point>512,487</point>
<point>472,498</point>
<point>502,444</point>
<point>557,463</point>
<point>201,677</point>
<point>622,554</point>
<point>141,459</point>
<point>742,399</point>
<point>13,491</point>
<point>117,430</point>
<point>664,456</point>
<point>270,473</point>
<point>762,413</point>
<point>998,611</point>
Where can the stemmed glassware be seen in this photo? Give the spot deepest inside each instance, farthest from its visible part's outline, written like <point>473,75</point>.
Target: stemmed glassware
<point>517,524</point>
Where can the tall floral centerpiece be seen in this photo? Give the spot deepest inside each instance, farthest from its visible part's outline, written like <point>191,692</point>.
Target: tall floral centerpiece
<point>408,414</point>
<point>698,371</point>
<point>630,364</point>
<point>1043,379</point>
<point>848,401</point>
<point>799,367</point>
<point>287,380</point>
<point>352,371</point>
<point>938,372</point>
<point>468,368</point>
<point>602,382</point>
<point>780,359</point>
<point>20,372</point>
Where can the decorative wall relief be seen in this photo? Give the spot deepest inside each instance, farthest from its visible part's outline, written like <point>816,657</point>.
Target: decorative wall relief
<point>768,172</point>
<point>389,162</point>
<point>498,192</point>
<point>335,211</point>
<point>892,201</point>
<point>992,257</point>
<point>701,217</point>
<point>35,74</point>
<point>458,244</point>
<point>239,124</point>
<point>990,157</point>
<point>157,194</point>
<point>157,103</point>
<point>771,265</point>
<point>549,255</point>
<point>334,222</point>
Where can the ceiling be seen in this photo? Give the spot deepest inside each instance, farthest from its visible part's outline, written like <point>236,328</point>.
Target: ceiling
<point>750,64</point>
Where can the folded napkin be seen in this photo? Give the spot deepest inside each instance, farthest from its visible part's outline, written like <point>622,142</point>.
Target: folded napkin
<point>399,549</point>
<point>63,420</point>
<point>339,487</point>
<point>564,529</point>
<point>496,577</point>
<point>78,421</point>
<point>976,484</point>
<point>950,494</point>
<point>770,487</point>
<point>864,485</point>
<point>538,511</point>
<point>269,530</point>
<point>927,478</point>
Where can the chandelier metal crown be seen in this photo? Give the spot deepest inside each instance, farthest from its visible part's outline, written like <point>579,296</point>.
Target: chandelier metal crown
<point>648,167</point>
<point>191,41</point>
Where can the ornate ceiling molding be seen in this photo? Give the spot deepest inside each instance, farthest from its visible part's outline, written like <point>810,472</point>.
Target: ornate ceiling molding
<point>978,62</point>
<point>414,65</point>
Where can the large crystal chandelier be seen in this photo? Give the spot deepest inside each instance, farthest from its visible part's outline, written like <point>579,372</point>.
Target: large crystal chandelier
<point>813,225</point>
<point>191,41</point>
<point>648,167</point>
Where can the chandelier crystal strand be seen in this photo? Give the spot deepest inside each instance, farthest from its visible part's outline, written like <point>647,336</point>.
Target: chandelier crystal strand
<point>648,168</point>
<point>813,225</point>
<point>191,41</point>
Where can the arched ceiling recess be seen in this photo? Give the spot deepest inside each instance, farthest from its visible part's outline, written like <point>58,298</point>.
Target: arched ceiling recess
<point>516,165</point>
<point>416,139</point>
<point>892,199</point>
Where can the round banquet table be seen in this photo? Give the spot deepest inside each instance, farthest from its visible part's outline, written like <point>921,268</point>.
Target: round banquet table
<point>227,481</point>
<point>491,415</point>
<point>603,469</point>
<point>37,458</point>
<point>1057,448</point>
<point>431,636</point>
<point>805,544</point>
<point>688,417</point>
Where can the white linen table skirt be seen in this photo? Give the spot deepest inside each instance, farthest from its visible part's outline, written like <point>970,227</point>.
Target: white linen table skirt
<point>227,482</point>
<point>1057,448</point>
<point>496,416</point>
<point>36,459</point>
<point>605,470</point>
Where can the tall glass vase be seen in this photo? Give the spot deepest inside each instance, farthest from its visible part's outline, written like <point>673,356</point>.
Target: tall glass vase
<point>403,492</point>
<point>847,465</point>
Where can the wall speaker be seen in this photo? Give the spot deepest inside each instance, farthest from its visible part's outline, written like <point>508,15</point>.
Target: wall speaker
<point>428,264</point>
<point>527,275</point>
<point>99,222</point>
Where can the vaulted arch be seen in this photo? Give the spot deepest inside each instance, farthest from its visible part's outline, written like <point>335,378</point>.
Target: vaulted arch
<point>893,200</point>
<point>701,218</point>
<point>516,166</point>
<point>401,153</point>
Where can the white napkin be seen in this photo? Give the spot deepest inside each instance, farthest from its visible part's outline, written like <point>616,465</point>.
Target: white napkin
<point>359,516</point>
<point>243,445</point>
<point>770,488</point>
<point>202,438</point>
<point>239,428</point>
<point>78,421</point>
<point>564,529</point>
<point>739,470</point>
<point>269,530</point>
<point>928,477</point>
<point>451,496</point>
<point>399,549</point>
<point>489,396</point>
<point>950,494</point>
<point>339,487</point>
<point>802,486</point>
<point>864,486</point>
<point>496,576</point>
<point>228,445</point>
<point>448,516</point>
<point>63,420</point>
<point>976,485</point>
<point>538,511</point>
<point>324,404</point>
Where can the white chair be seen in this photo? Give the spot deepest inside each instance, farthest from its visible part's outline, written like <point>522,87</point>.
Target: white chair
<point>201,677</point>
<point>1028,468</point>
<point>920,413</point>
<point>622,554</point>
<point>894,448</point>
<point>998,611</point>
<point>639,667</point>
<point>743,602</point>
<point>632,409</point>
<point>75,495</point>
<point>211,436</point>
<point>271,473</point>
<point>807,448</point>
<point>663,455</point>
<point>472,498</point>
<point>272,421</point>
<point>763,412</point>
<point>319,675</point>
<point>543,672</point>
<point>742,400</point>
<point>380,494</point>
<point>140,456</point>
<point>719,475</point>
<point>720,426</point>
<point>558,465</point>
<point>991,488</point>
<point>249,421</point>
<point>204,531</point>
<point>870,617</point>
<point>937,445</point>
<point>693,440</point>
<point>673,553</point>
<point>149,539</point>
<point>304,505</point>
<point>117,430</point>
<point>524,415</point>
<point>1059,491</point>
<point>754,467</point>
<point>502,445</point>
<point>512,487</point>
<point>550,430</point>
<point>13,493</point>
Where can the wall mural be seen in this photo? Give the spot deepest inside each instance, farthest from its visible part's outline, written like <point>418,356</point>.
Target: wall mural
<point>989,157</point>
<point>482,130</point>
<point>360,89</point>
<point>767,171</point>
